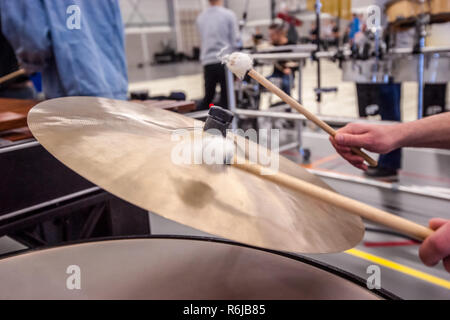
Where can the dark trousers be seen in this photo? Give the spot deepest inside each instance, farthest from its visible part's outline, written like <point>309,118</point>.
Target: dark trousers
<point>390,95</point>
<point>214,74</point>
<point>434,99</point>
<point>387,98</point>
<point>286,80</point>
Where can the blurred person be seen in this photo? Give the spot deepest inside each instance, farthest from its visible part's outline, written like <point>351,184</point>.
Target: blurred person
<point>328,31</point>
<point>219,29</point>
<point>331,33</point>
<point>20,87</point>
<point>430,132</point>
<point>355,27</point>
<point>84,60</point>
<point>292,23</point>
<point>335,33</point>
<point>313,33</point>
<point>346,37</point>
<point>278,37</point>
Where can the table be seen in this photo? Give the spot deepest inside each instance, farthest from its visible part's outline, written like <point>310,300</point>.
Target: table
<point>13,115</point>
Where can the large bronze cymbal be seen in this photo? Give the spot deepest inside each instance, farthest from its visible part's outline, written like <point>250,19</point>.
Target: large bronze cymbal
<point>125,148</point>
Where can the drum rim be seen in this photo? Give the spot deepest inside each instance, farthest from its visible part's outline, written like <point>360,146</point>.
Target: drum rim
<point>382,293</point>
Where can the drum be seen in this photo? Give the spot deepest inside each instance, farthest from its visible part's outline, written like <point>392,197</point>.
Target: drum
<point>439,7</point>
<point>399,11</point>
<point>173,268</point>
<point>367,71</point>
<point>405,66</point>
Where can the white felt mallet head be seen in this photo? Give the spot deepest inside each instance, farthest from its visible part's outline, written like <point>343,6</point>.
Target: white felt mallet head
<point>239,63</point>
<point>217,150</point>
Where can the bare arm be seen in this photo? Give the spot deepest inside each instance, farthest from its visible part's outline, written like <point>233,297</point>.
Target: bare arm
<point>431,132</point>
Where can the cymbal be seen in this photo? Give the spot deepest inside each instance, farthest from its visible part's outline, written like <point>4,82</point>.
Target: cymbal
<point>126,148</point>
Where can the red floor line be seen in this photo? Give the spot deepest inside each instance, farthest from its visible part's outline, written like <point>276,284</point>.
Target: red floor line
<point>315,163</point>
<point>391,243</point>
<point>323,160</point>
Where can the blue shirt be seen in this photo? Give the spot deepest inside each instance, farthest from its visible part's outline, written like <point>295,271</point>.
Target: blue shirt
<point>354,28</point>
<point>89,61</point>
<point>218,28</point>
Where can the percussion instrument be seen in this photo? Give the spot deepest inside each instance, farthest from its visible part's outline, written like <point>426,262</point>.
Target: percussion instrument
<point>399,11</point>
<point>436,64</point>
<point>397,66</point>
<point>131,151</point>
<point>241,64</point>
<point>126,149</point>
<point>174,268</point>
<point>406,12</point>
<point>439,7</point>
<point>13,113</point>
<point>367,71</point>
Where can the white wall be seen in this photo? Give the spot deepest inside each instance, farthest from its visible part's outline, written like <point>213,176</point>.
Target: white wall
<point>258,9</point>
<point>150,12</point>
<point>152,19</point>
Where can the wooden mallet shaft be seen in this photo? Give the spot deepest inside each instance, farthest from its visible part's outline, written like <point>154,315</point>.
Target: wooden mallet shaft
<point>355,207</point>
<point>12,75</point>
<point>309,115</point>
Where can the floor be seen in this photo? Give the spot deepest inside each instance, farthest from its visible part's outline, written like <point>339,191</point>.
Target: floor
<point>401,271</point>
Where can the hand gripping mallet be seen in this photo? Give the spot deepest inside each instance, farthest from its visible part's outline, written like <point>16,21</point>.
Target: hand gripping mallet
<point>220,119</point>
<point>241,64</point>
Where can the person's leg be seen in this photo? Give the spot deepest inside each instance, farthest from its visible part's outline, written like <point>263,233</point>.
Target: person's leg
<point>276,79</point>
<point>390,95</point>
<point>286,84</point>
<point>221,72</point>
<point>210,77</point>
<point>366,97</point>
<point>435,96</point>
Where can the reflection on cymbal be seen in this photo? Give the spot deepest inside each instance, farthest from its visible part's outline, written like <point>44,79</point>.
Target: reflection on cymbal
<point>127,149</point>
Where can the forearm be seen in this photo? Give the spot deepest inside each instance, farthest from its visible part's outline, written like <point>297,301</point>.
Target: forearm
<point>430,132</point>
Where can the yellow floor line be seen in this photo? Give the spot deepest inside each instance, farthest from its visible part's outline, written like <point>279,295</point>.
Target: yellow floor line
<point>400,268</point>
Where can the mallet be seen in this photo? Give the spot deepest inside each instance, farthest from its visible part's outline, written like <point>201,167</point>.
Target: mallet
<point>220,119</point>
<point>241,64</point>
<point>12,75</point>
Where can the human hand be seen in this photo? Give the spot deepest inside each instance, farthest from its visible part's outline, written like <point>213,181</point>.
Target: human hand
<point>437,246</point>
<point>376,138</point>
